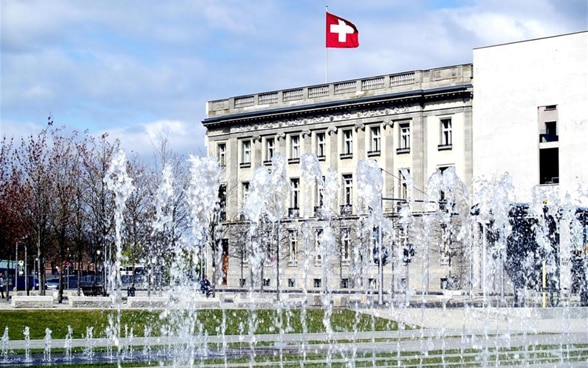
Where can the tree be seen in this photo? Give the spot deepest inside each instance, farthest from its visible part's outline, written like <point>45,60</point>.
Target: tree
<point>98,202</point>
<point>33,158</point>
<point>12,226</point>
<point>65,208</point>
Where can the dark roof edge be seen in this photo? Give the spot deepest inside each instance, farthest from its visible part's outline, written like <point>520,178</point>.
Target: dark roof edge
<point>330,104</point>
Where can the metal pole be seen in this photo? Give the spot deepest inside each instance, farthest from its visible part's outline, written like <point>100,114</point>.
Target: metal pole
<point>26,270</point>
<point>15,286</point>
<point>380,266</point>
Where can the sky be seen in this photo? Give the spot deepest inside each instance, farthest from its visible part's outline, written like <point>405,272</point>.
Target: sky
<point>142,71</point>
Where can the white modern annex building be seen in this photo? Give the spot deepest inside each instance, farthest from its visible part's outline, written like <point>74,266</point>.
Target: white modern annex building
<point>530,128</point>
<point>531,103</point>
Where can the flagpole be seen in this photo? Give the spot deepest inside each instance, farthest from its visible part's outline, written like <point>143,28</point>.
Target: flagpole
<point>326,53</point>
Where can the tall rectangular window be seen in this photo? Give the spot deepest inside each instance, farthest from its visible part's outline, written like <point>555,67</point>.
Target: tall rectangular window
<point>295,146</point>
<point>345,245</point>
<point>317,245</point>
<point>375,140</point>
<point>293,245</point>
<point>320,189</point>
<point>347,142</point>
<point>246,152</point>
<point>347,189</point>
<point>404,143</point>
<point>403,183</point>
<point>295,192</point>
<point>244,190</point>
<point>446,133</point>
<point>269,148</point>
<point>222,201</point>
<point>321,144</point>
<point>221,154</point>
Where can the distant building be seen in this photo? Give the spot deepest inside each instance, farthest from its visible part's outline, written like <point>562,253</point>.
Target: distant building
<point>412,124</point>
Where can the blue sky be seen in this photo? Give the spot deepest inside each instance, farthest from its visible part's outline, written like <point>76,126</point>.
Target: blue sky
<point>141,70</point>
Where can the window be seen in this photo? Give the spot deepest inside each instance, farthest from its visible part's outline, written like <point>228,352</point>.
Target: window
<point>295,184</point>
<point>347,144</point>
<point>222,202</point>
<point>293,246</point>
<point>345,245</point>
<point>246,152</point>
<point>321,145</point>
<point>345,283</point>
<point>375,140</point>
<point>548,145</point>
<point>549,166</point>
<point>403,175</point>
<point>320,192</point>
<point>404,144</point>
<point>347,189</point>
<point>221,154</point>
<point>244,190</point>
<point>446,134</point>
<point>295,147</point>
<point>316,283</point>
<point>548,117</point>
<point>291,283</point>
<point>295,192</point>
<point>318,246</point>
<point>269,149</point>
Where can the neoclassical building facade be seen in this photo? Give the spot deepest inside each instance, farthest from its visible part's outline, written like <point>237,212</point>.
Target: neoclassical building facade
<point>409,125</point>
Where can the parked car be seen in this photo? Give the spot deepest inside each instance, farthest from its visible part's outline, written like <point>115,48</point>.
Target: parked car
<point>52,283</point>
<point>33,283</point>
<point>92,285</point>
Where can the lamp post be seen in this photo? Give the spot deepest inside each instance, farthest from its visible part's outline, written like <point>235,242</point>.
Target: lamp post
<point>26,271</point>
<point>15,286</point>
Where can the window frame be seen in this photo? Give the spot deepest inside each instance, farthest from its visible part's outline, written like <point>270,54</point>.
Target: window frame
<point>347,194</point>
<point>246,152</point>
<point>375,140</point>
<point>321,145</point>
<point>346,143</point>
<point>293,246</point>
<point>270,149</point>
<point>403,138</point>
<point>445,133</point>
<point>295,193</point>
<point>295,147</point>
<point>221,153</point>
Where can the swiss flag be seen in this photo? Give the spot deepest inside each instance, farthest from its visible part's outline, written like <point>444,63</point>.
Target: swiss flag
<point>341,33</point>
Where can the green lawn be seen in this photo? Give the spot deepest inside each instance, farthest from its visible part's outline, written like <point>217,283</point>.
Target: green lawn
<point>211,321</point>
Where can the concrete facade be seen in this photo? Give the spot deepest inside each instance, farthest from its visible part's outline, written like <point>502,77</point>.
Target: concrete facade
<point>531,123</point>
<point>513,83</point>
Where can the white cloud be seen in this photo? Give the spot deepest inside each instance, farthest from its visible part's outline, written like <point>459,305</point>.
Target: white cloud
<point>138,70</point>
<point>144,139</point>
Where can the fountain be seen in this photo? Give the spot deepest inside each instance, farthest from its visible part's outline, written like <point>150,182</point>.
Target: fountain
<point>501,302</point>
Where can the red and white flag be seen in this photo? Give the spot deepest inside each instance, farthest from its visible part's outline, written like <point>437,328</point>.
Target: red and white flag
<point>341,33</point>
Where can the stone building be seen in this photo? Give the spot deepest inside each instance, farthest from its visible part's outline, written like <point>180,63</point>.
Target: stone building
<point>411,126</point>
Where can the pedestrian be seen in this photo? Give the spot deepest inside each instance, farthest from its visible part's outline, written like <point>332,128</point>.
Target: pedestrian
<point>131,291</point>
<point>205,287</point>
<point>2,284</point>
